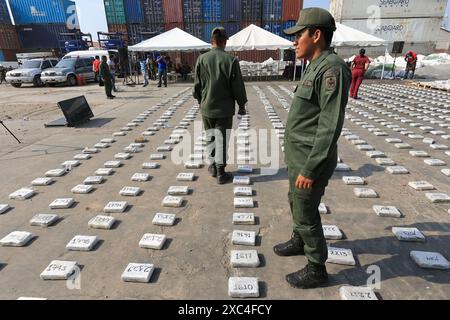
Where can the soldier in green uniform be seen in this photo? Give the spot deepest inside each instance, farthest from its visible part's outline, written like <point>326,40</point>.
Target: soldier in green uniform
<point>218,86</point>
<point>105,74</point>
<point>313,127</point>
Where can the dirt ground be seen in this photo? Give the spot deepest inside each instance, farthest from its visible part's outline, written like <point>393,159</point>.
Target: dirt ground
<point>195,262</point>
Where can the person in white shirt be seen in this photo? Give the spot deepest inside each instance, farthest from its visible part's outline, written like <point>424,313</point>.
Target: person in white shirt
<point>112,69</point>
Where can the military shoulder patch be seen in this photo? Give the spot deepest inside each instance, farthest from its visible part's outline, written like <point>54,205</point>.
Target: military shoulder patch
<point>330,78</point>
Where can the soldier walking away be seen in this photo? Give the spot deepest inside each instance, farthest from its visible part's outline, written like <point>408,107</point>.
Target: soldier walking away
<point>105,74</point>
<point>359,67</point>
<point>411,61</point>
<point>218,86</point>
<point>313,127</point>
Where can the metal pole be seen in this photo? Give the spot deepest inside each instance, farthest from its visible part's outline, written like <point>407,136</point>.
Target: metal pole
<point>1,122</point>
<point>384,63</point>
<point>295,68</point>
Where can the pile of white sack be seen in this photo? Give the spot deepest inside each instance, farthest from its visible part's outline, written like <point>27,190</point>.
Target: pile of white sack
<point>422,61</point>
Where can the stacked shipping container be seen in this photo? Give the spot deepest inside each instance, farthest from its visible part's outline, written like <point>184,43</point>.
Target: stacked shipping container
<point>415,22</point>
<point>9,43</point>
<point>199,17</point>
<point>39,23</point>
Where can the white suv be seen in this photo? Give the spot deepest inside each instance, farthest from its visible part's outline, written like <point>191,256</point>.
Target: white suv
<point>30,72</point>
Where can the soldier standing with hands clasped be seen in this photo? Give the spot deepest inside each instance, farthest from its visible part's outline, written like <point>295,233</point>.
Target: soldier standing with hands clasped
<point>218,86</point>
<point>313,127</point>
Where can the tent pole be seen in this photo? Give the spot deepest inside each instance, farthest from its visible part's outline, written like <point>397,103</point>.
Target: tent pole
<point>384,63</point>
<point>295,68</point>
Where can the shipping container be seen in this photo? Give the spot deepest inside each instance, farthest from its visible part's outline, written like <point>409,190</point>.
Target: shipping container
<point>272,10</point>
<point>171,25</point>
<point>140,32</point>
<point>154,27</point>
<point>27,12</point>
<point>192,11</point>
<point>153,11</point>
<point>173,11</point>
<point>115,11</point>
<point>408,30</point>
<point>363,9</point>
<point>133,11</point>
<point>2,56</point>
<point>291,9</point>
<point>9,54</point>
<point>272,26</point>
<point>232,28</point>
<point>196,29</point>
<point>4,13</point>
<point>251,10</point>
<point>286,25</point>
<point>40,36</point>
<point>212,10</point>
<point>134,33</point>
<point>8,37</point>
<point>231,10</point>
<point>117,28</point>
<point>207,30</point>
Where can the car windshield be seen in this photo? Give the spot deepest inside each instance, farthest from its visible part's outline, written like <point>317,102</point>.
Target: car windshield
<point>30,64</point>
<point>66,63</point>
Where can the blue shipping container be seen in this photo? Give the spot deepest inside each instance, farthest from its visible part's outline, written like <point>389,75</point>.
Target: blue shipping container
<point>192,10</point>
<point>2,56</point>
<point>207,30</point>
<point>232,28</point>
<point>133,11</point>
<point>212,11</point>
<point>196,29</point>
<point>4,13</point>
<point>41,36</point>
<point>231,10</point>
<point>153,11</point>
<point>27,12</point>
<point>251,10</point>
<point>274,27</point>
<point>272,10</point>
<point>286,25</point>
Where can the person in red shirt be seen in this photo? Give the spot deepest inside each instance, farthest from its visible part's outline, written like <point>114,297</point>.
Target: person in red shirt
<point>411,61</point>
<point>359,67</point>
<point>96,69</point>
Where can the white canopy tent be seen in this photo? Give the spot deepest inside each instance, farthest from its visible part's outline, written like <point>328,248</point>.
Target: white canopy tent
<point>172,40</point>
<point>345,36</point>
<point>256,38</point>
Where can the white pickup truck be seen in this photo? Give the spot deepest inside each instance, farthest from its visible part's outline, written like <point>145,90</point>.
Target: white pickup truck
<point>30,72</point>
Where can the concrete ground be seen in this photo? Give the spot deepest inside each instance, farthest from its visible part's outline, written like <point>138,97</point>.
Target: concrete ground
<point>195,262</point>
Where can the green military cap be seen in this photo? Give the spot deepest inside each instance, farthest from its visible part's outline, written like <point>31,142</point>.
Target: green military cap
<point>312,17</point>
<point>222,32</point>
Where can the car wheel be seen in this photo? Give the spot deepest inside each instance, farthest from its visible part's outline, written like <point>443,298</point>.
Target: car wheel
<point>71,80</point>
<point>16,85</point>
<point>37,82</point>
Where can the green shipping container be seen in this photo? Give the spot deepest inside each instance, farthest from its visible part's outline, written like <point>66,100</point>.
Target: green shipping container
<point>115,11</point>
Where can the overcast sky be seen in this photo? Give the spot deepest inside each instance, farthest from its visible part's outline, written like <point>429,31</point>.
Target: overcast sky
<point>92,18</point>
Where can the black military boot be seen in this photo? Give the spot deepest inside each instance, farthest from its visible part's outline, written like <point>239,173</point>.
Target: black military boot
<point>212,170</point>
<point>293,247</point>
<point>312,276</point>
<point>223,177</point>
